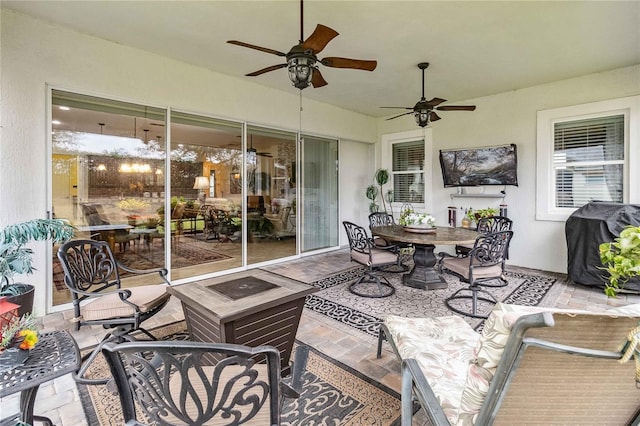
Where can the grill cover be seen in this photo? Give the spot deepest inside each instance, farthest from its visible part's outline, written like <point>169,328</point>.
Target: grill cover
<point>588,227</point>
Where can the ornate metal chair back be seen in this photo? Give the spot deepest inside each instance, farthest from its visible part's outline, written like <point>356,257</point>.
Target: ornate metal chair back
<point>358,238</point>
<point>380,219</point>
<point>196,383</point>
<point>489,225</point>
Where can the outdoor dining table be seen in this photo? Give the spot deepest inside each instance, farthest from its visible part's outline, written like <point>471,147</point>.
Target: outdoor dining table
<point>423,275</point>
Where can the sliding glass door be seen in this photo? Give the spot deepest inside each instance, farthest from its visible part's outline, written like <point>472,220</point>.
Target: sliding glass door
<point>108,168</point>
<point>192,193</point>
<point>206,199</point>
<point>320,220</point>
<point>271,208</point>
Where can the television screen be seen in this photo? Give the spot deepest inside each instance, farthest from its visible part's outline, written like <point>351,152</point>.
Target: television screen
<point>492,165</point>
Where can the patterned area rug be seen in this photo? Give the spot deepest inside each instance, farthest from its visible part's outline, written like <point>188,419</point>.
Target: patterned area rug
<point>365,314</point>
<point>333,394</point>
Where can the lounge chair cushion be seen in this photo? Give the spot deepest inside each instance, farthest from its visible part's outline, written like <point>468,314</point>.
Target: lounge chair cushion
<point>146,297</point>
<point>491,345</point>
<point>443,347</point>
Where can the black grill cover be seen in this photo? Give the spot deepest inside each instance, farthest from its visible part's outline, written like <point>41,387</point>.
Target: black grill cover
<point>588,227</point>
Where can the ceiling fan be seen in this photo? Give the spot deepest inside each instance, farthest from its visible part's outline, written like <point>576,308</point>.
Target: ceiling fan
<point>251,149</point>
<point>301,60</point>
<point>424,110</point>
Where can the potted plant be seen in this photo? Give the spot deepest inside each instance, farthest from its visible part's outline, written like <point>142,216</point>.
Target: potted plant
<point>17,259</point>
<point>372,193</point>
<point>621,259</point>
<point>475,215</point>
<point>382,177</point>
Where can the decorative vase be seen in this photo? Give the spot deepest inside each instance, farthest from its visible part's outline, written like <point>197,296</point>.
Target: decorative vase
<point>10,358</point>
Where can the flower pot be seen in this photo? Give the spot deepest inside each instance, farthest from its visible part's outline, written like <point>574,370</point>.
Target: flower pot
<point>24,298</point>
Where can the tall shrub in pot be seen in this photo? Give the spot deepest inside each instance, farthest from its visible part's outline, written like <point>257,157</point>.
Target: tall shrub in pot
<point>15,259</point>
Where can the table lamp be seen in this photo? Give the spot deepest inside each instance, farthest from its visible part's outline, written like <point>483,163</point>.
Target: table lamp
<point>201,183</point>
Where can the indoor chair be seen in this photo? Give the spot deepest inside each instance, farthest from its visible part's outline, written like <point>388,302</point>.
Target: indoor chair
<point>529,365</point>
<point>281,224</point>
<point>92,274</point>
<point>482,267</point>
<point>202,383</point>
<point>362,250</point>
<point>486,225</point>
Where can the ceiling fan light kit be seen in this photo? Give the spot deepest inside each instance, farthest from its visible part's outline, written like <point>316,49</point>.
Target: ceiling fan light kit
<point>301,68</point>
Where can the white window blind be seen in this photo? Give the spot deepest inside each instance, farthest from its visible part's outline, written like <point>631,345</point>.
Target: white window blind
<point>408,172</point>
<point>588,160</point>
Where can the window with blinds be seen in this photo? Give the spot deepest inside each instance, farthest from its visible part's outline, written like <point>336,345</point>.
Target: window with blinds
<point>408,172</point>
<point>588,160</point>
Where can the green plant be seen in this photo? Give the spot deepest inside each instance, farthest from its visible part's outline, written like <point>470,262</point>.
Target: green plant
<point>20,332</point>
<point>16,259</point>
<point>475,215</point>
<point>372,193</point>
<point>409,217</point>
<point>621,259</point>
<point>382,177</point>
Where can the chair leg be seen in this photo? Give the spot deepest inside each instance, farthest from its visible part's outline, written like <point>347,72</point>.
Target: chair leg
<point>381,337</point>
<point>474,289</point>
<point>88,359</point>
<point>385,289</point>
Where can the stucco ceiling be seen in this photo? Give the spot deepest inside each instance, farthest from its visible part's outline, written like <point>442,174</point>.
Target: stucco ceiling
<point>475,48</point>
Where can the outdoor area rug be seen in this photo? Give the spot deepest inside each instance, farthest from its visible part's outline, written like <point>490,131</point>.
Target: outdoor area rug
<point>333,394</point>
<point>365,314</point>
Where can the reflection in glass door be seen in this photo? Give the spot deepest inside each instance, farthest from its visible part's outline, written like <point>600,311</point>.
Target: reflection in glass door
<point>270,218</point>
<point>319,193</point>
<point>206,198</point>
<point>108,177</point>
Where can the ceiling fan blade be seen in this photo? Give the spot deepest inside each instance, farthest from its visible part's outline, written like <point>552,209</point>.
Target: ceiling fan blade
<point>357,64</point>
<point>397,107</point>
<point>399,115</point>
<point>321,36</point>
<point>457,108</point>
<point>253,46</point>
<point>434,117</point>
<point>267,69</point>
<point>317,80</point>
<point>436,101</point>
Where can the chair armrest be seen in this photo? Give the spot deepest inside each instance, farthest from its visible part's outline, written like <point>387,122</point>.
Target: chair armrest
<point>413,379</point>
<point>161,271</point>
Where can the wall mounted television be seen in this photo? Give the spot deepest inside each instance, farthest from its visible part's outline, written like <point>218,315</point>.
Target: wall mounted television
<point>492,165</point>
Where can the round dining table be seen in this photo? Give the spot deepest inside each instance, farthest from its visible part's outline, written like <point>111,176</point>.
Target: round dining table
<point>424,275</point>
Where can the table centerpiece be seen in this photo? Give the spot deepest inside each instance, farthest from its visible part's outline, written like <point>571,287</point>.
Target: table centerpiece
<point>16,339</point>
<point>417,222</point>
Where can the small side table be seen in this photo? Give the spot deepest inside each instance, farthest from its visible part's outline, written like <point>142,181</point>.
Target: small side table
<point>55,355</point>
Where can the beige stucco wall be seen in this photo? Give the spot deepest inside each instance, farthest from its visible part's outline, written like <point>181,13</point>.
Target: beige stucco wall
<point>511,118</point>
<point>35,54</point>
